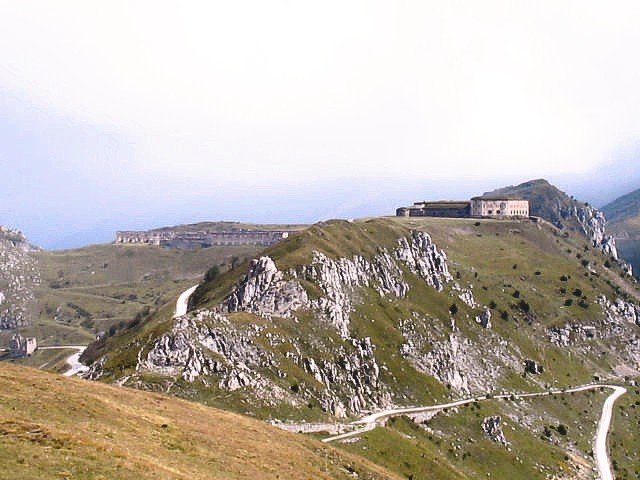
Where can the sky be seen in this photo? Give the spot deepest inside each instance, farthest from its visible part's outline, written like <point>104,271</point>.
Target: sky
<point>122,115</point>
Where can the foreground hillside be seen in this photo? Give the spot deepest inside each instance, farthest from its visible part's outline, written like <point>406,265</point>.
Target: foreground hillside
<point>624,222</point>
<point>54,427</point>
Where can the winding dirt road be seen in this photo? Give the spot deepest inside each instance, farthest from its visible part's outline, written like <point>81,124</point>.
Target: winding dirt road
<point>600,451</point>
<point>601,456</point>
<point>73,360</point>
<point>183,301</point>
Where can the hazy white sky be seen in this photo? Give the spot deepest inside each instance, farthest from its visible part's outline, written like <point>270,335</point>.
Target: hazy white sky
<point>230,95</point>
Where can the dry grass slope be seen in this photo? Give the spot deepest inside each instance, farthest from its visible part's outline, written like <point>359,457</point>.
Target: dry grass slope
<point>53,427</point>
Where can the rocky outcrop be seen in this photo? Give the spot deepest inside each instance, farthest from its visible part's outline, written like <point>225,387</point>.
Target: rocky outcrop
<point>207,348</point>
<point>265,292</point>
<point>424,258</point>
<point>571,334</point>
<point>19,276</point>
<point>351,378</point>
<point>207,344</point>
<point>619,311</point>
<point>593,224</point>
<point>484,318</point>
<point>340,278</point>
<point>492,428</point>
<point>531,366</point>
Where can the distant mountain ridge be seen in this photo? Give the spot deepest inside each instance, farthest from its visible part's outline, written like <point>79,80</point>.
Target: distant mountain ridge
<point>623,208</point>
<point>624,216</point>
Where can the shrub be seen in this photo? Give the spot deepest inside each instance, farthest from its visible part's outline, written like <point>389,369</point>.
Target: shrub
<point>577,292</point>
<point>562,429</point>
<point>492,305</point>
<point>524,306</point>
<point>516,294</point>
<point>568,302</point>
<point>212,273</point>
<point>504,315</point>
<point>453,309</point>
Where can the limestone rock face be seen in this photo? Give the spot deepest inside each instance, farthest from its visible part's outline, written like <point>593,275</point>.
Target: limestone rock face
<point>424,258</point>
<point>265,292</point>
<point>484,318</point>
<point>206,346</point>
<point>492,428</point>
<point>19,276</point>
<point>619,311</point>
<point>340,278</point>
<point>186,351</point>
<point>593,223</point>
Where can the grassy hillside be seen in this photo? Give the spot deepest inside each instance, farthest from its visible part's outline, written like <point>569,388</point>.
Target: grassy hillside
<point>101,288</point>
<point>623,208</point>
<point>452,444</point>
<point>54,427</point>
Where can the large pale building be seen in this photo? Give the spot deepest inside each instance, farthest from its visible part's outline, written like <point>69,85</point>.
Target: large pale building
<point>499,207</point>
<point>493,207</point>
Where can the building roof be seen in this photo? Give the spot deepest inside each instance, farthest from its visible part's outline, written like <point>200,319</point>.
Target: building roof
<point>499,198</point>
<point>448,204</point>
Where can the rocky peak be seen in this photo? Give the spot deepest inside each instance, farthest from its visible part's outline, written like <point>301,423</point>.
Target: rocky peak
<point>265,292</point>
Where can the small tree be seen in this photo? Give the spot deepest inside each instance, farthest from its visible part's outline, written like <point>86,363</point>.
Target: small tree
<point>212,273</point>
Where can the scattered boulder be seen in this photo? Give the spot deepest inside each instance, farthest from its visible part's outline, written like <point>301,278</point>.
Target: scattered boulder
<point>492,428</point>
<point>531,366</point>
<point>484,318</point>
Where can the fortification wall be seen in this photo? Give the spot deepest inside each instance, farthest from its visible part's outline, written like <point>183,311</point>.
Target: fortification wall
<point>175,239</point>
